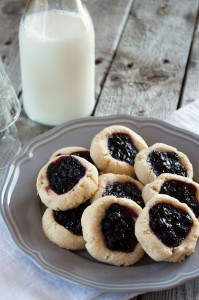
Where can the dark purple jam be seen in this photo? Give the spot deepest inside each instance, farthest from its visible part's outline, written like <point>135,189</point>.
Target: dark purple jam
<point>71,218</point>
<point>121,147</point>
<point>170,225</point>
<point>84,154</point>
<point>165,162</point>
<point>184,192</point>
<point>64,173</point>
<point>118,227</point>
<point>125,190</point>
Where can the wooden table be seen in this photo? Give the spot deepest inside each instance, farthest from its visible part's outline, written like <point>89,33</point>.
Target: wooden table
<point>147,64</point>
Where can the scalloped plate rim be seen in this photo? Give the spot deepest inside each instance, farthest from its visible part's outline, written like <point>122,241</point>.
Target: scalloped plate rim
<point>35,255</point>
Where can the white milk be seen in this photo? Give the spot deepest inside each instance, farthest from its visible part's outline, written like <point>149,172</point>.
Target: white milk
<point>57,65</point>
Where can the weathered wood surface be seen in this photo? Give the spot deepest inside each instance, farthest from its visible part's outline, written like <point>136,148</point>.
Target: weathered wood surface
<point>10,14</point>
<point>144,67</point>
<point>109,24</point>
<point>147,73</point>
<point>109,18</point>
<point>188,291</point>
<point>191,87</point>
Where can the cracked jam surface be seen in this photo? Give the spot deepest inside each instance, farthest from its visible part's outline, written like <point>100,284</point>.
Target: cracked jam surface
<point>121,147</point>
<point>71,218</point>
<point>171,225</point>
<point>64,173</point>
<point>118,227</point>
<point>184,192</point>
<point>125,190</point>
<point>166,162</point>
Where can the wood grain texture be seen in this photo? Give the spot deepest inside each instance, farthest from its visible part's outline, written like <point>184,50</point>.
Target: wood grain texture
<point>109,18</point>
<point>147,73</point>
<point>189,291</point>
<point>191,87</point>
<point>144,78</point>
<point>10,15</point>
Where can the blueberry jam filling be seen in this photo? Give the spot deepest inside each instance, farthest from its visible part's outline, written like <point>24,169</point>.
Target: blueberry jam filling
<point>118,227</point>
<point>165,162</point>
<point>184,192</point>
<point>170,225</point>
<point>64,173</point>
<point>84,154</point>
<point>121,147</point>
<point>71,219</point>
<point>125,190</point>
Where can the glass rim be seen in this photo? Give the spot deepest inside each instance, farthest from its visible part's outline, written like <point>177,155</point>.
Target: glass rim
<point>14,119</point>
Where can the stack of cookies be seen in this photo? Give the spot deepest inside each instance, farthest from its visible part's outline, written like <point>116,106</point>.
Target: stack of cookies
<point>120,199</point>
<point>65,185</point>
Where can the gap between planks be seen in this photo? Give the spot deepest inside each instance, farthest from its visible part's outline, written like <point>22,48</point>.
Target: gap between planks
<point>115,47</point>
<point>194,37</point>
<point>145,77</point>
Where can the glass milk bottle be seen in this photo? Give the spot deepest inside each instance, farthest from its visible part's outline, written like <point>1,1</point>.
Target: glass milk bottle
<point>56,39</point>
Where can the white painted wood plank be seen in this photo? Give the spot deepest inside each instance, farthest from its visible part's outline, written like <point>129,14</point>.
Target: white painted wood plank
<point>10,14</point>
<point>188,291</point>
<point>191,88</point>
<point>109,18</point>
<point>147,73</point>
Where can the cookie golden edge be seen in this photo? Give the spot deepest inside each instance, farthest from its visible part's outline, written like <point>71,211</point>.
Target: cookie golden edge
<point>144,171</point>
<point>150,242</point>
<point>110,178</point>
<point>67,151</point>
<point>59,235</point>
<point>100,154</point>
<point>92,233</point>
<point>82,191</point>
<point>152,189</point>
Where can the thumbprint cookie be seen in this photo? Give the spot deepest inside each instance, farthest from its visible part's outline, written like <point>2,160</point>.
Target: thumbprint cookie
<point>67,181</point>
<point>78,151</point>
<point>161,158</point>
<point>108,229</point>
<point>114,149</point>
<point>120,186</point>
<point>167,229</point>
<point>64,227</point>
<point>182,188</point>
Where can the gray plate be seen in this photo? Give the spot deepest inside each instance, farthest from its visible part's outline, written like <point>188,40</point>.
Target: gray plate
<point>22,209</point>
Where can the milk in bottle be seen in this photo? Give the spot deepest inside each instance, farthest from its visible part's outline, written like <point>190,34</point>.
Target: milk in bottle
<point>57,64</point>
